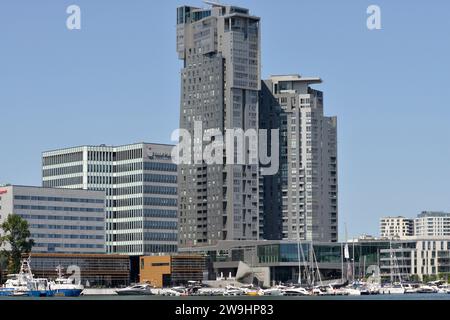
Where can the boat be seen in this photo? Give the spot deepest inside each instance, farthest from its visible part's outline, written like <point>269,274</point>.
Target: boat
<point>426,289</point>
<point>143,289</point>
<point>273,291</point>
<point>65,286</point>
<point>296,291</point>
<point>353,291</point>
<point>170,292</point>
<point>39,287</point>
<point>24,283</point>
<point>392,289</point>
<point>233,291</point>
<point>410,288</point>
<point>15,285</point>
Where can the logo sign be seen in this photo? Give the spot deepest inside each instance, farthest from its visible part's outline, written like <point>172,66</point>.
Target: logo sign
<point>156,155</point>
<point>3,191</point>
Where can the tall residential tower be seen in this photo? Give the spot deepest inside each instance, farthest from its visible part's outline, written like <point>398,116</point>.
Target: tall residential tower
<point>300,202</point>
<point>220,82</point>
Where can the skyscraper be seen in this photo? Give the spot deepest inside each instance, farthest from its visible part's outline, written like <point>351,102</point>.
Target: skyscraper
<point>300,202</point>
<point>140,183</point>
<point>220,81</point>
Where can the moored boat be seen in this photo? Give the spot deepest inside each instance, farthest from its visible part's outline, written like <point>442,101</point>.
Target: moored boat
<point>135,290</point>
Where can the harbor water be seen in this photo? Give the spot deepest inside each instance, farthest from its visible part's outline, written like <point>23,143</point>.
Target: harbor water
<point>413,296</point>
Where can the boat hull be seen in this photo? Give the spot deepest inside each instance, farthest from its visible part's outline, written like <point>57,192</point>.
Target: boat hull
<point>68,292</point>
<point>134,293</point>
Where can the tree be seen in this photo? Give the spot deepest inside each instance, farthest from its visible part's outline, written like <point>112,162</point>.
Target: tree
<point>16,237</point>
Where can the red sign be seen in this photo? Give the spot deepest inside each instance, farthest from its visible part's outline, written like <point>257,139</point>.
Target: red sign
<point>3,191</point>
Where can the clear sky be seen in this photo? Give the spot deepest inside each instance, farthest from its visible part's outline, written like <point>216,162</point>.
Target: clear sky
<point>116,81</point>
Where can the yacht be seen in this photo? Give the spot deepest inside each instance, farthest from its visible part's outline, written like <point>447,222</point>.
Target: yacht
<point>274,291</point>
<point>426,289</point>
<point>233,291</point>
<point>393,289</point>
<point>296,291</point>
<point>410,288</point>
<point>136,290</point>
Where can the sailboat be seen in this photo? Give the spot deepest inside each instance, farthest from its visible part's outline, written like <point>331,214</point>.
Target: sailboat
<point>393,287</point>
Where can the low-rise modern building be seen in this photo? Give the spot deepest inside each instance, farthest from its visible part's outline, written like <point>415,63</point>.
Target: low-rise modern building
<point>66,221</point>
<point>396,227</point>
<point>388,259</point>
<point>140,183</point>
<point>163,271</point>
<point>93,270</point>
<point>432,224</point>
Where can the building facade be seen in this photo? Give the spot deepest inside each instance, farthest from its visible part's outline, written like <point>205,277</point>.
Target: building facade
<point>377,259</point>
<point>220,81</point>
<point>396,227</point>
<point>163,271</point>
<point>92,270</point>
<point>140,185</point>
<point>304,194</point>
<point>432,224</point>
<point>66,221</point>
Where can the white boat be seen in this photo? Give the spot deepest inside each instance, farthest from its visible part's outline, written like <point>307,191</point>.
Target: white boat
<point>135,290</point>
<point>296,291</point>
<point>409,288</point>
<point>24,283</point>
<point>274,291</point>
<point>352,291</point>
<point>392,289</point>
<point>233,291</point>
<point>443,288</point>
<point>65,286</point>
<point>169,292</point>
<point>427,289</point>
<point>210,292</point>
<point>15,285</point>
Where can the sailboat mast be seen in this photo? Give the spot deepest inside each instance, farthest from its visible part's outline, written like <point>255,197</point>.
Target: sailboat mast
<point>298,258</point>
<point>342,263</point>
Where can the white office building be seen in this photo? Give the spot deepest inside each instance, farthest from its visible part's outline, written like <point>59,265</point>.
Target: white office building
<point>140,182</point>
<point>64,221</point>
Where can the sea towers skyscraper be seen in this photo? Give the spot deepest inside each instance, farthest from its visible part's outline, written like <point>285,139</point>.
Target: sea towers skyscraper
<point>220,83</point>
<point>301,201</point>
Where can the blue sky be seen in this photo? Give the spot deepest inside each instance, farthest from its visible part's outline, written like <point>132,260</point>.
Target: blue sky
<point>116,81</point>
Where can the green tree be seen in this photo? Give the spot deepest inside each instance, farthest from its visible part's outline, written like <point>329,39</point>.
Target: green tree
<point>16,237</point>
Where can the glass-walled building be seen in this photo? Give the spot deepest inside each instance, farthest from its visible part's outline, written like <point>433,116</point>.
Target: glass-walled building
<point>59,220</point>
<point>390,260</point>
<point>140,184</point>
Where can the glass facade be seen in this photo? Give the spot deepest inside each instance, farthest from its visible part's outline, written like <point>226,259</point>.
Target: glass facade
<point>96,269</point>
